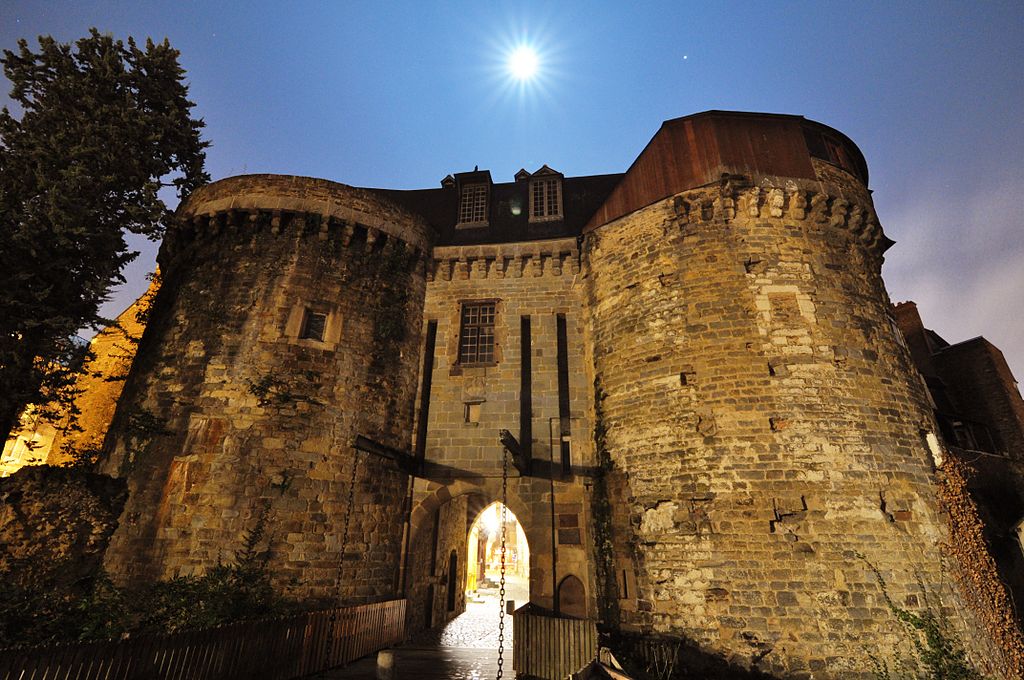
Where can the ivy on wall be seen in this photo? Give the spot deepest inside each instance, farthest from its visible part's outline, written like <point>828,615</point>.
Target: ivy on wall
<point>976,573</point>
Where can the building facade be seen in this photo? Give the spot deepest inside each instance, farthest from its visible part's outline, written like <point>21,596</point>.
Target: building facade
<point>980,412</point>
<point>715,430</point>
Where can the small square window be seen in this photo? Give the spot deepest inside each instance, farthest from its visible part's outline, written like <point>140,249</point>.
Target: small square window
<point>476,339</point>
<point>313,326</point>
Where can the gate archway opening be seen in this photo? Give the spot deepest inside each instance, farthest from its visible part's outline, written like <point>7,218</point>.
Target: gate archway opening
<point>483,570</point>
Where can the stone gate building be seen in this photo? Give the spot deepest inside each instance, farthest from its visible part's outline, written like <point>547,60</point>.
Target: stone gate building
<point>721,435</point>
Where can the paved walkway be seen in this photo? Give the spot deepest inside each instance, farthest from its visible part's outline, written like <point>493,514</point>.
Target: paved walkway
<point>467,647</point>
<point>438,663</point>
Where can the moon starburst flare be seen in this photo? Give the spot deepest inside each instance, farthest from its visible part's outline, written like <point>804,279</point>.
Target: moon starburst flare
<point>523,63</point>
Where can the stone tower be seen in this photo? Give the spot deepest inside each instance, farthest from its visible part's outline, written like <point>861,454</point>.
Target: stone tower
<point>288,323</point>
<point>756,403</point>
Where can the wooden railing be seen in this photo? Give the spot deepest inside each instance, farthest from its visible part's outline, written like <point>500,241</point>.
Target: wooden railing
<point>548,646</point>
<point>270,649</point>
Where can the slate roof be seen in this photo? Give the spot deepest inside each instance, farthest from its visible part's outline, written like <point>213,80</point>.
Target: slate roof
<point>581,197</point>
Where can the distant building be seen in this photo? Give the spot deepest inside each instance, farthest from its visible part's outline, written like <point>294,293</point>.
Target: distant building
<point>43,440</point>
<point>979,409</point>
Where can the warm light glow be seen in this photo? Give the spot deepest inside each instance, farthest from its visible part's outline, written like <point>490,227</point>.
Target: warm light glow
<point>522,63</point>
<point>491,520</point>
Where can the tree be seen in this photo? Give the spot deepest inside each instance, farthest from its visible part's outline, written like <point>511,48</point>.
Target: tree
<point>104,127</point>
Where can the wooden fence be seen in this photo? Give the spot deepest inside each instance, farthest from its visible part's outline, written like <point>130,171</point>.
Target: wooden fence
<point>551,647</point>
<point>270,649</point>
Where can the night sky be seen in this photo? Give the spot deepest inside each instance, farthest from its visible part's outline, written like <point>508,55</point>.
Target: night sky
<point>394,95</point>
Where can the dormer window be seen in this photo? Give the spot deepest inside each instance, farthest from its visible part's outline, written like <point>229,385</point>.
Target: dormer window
<point>545,194</point>
<point>473,204</point>
<point>545,199</point>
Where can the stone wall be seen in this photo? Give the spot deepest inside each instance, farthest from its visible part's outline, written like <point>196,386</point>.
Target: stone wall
<point>55,523</point>
<point>432,548</point>
<point>768,426</point>
<point>230,414</point>
<point>539,279</point>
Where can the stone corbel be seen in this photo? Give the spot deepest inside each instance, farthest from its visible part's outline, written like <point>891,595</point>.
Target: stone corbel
<point>819,205</point>
<point>776,202</point>
<point>753,202</point>
<point>479,268</point>
<point>574,262</point>
<point>839,209</point>
<point>348,230</point>
<point>214,224</point>
<point>556,264</point>
<point>798,205</point>
<point>536,265</point>
<point>855,222</point>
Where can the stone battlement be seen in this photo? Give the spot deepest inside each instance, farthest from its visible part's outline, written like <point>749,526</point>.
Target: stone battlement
<point>281,202</point>
<point>513,260</point>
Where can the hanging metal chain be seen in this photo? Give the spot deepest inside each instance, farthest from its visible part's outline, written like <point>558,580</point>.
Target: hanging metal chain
<point>348,519</point>
<point>501,583</point>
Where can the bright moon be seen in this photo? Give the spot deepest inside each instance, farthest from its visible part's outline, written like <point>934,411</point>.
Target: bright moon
<point>522,64</point>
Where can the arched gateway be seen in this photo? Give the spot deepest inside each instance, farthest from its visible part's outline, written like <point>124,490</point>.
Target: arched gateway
<point>446,520</point>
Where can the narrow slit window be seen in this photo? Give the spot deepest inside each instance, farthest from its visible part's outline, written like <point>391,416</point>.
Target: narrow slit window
<point>313,326</point>
<point>476,341</point>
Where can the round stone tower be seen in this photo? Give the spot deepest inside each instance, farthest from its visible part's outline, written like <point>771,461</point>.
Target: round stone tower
<point>756,405</point>
<point>288,322</point>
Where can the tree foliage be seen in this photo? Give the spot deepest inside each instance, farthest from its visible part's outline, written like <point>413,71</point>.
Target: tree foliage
<point>103,127</point>
<point>37,607</point>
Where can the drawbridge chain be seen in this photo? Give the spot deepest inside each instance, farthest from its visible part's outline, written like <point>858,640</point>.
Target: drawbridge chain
<point>501,583</point>
<point>348,520</point>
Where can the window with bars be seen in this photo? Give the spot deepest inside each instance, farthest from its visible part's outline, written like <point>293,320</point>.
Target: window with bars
<point>545,199</point>
<point>476,339</point>
<point>473,204</point>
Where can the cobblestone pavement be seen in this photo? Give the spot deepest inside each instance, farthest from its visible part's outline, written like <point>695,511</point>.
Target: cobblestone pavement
<point>476,628</point>
<point>437,663</point>
<point>466,647</point>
